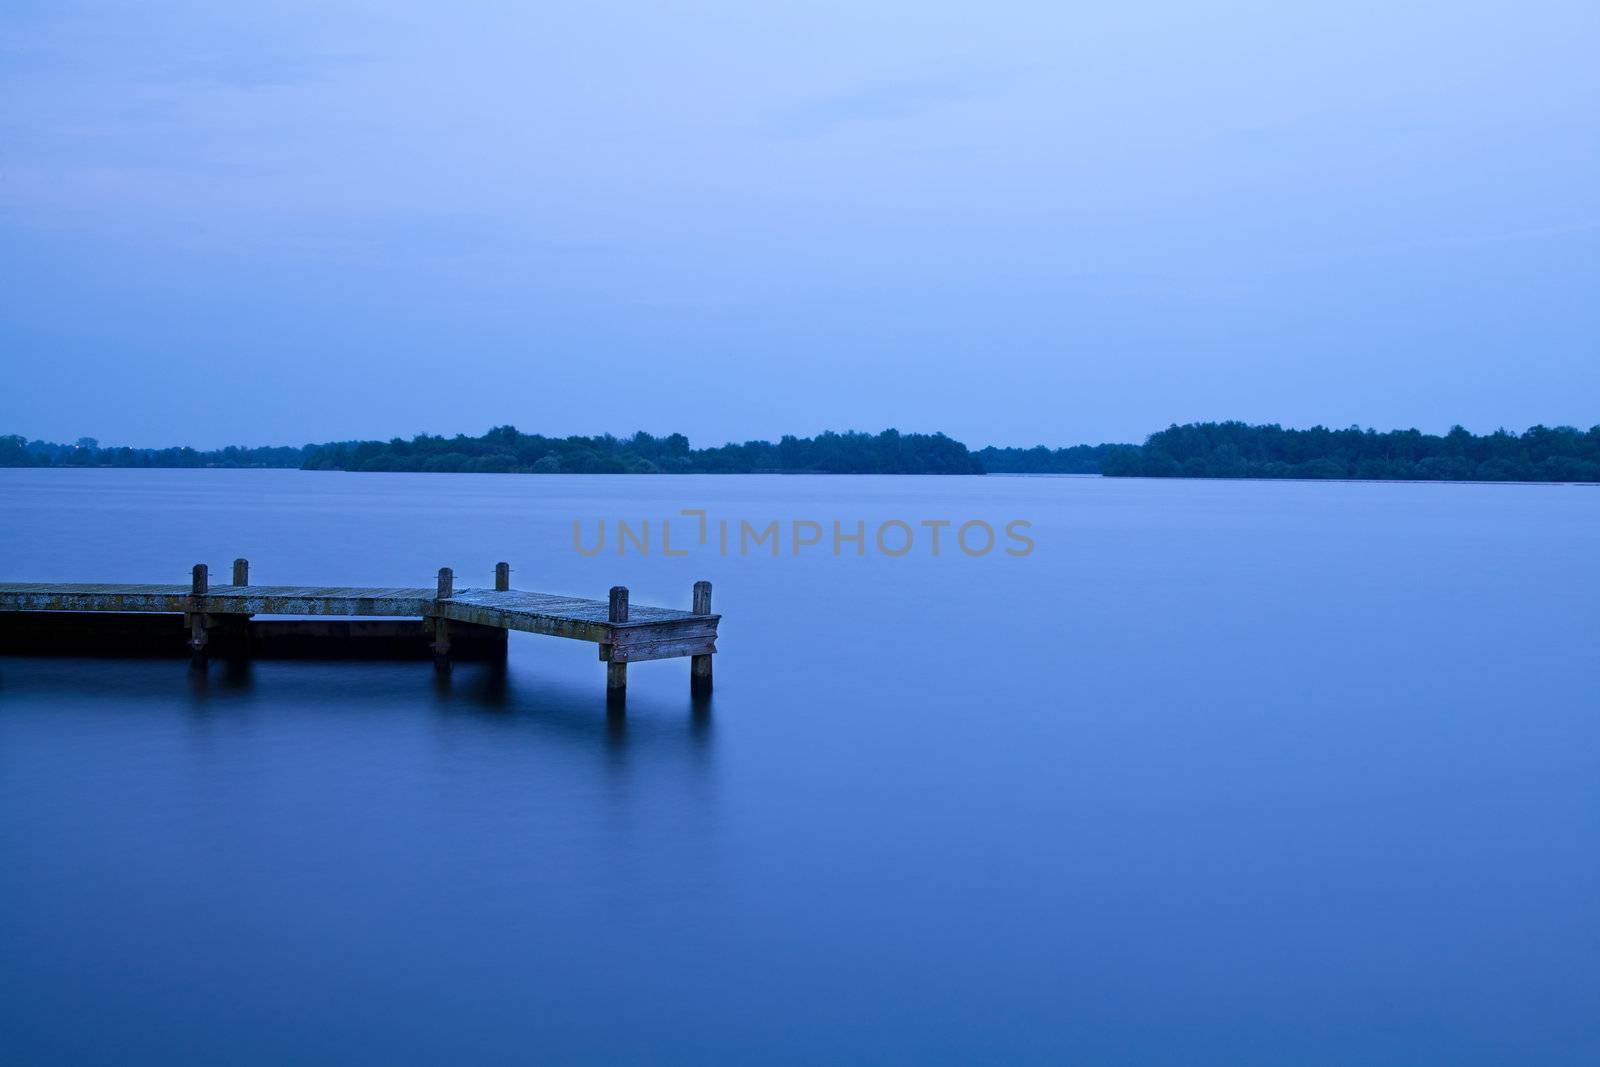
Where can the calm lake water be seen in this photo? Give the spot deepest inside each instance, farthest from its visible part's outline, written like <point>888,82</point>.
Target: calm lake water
<point>1223,772</point>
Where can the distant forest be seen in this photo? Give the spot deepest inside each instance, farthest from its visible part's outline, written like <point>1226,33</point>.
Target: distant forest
<point>1196,450</point>
<point>1079,459</point>
<point>1238,450</point>
<point>504,449</point>
<point>17,451</point>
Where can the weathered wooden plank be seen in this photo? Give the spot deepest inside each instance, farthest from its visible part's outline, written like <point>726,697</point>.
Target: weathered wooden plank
<point>269,600</point>
<point>665,649</point>
<point>679,629</point>
<point>94,587</point>
<point>64,598</point>
<point>525,621</point>
<point>223,601</point>
<point>576,608</point>
<point>537,603</point>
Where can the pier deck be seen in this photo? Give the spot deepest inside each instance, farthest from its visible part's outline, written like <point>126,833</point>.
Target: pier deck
<point>445,621</point>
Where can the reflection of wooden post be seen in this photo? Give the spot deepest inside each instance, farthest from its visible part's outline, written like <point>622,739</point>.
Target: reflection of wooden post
<point>502,577</point>
<point>617,673</point>
<point>441,625</point>
<point>241,571</point>
<point>200,583</point>
<point>700,666</point>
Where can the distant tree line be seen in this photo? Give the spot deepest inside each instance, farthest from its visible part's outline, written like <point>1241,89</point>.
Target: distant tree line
<point>18,451</point>
<point>1079,459</point>
<point>505,449</point>
<point>1238,450</point>
<point>1195,450</point>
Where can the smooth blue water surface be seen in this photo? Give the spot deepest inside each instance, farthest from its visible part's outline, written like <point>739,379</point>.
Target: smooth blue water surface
<point>1224,772</point>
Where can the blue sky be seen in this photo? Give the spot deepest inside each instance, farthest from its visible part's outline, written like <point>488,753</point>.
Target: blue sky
<point>1014,222</point>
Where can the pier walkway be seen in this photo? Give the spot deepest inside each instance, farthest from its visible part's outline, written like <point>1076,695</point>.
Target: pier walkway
<point>443,623</point>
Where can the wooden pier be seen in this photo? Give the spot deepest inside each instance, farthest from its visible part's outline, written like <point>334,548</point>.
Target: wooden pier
<point>442,623</point>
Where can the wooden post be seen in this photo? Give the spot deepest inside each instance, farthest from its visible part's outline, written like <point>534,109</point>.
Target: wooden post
<point>200,582</point>
<point>502,577</point>
<point>241,571</point>
<point>700,666</point>
<point>441,625</point>
<point>617,673</point>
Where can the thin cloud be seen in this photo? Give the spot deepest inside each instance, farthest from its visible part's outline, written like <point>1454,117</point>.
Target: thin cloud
<point>256,68</point>
<point>887,100</point>
<point>1382,121</point>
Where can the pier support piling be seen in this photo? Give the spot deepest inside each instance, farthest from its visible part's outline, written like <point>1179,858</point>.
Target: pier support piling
<point>700,666</point>
<point>197,634</point>
<point>241,571</point>
<point>502,577</point>
<point>441,625</point>
<point>199,585</point>
<point>617,673</point>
